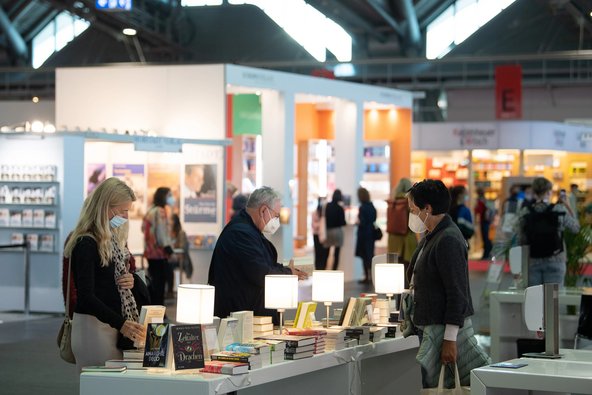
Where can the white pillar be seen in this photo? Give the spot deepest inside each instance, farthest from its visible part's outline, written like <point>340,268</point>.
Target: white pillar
<point>349,161</point>
<point>278,158</point>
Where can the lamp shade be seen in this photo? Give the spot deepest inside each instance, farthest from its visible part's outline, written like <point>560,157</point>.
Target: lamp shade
<point>389,278</point>
<point>195,304</point>
<point>281,291</point>
<point>327,285</point>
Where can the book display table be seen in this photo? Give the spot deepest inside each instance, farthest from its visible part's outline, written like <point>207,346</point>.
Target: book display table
<point>385,367</point>
<point>571,374</point>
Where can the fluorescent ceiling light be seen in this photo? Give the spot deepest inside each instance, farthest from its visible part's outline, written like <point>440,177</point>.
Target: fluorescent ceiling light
<point>128,31</point>
<point>307,26</point>
<point>344,70</point>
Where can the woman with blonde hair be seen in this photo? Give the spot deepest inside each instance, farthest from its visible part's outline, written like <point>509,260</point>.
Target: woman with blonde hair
<point>96,249</point>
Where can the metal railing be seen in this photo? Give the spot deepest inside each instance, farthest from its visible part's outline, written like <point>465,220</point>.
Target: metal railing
<point>27,261</point>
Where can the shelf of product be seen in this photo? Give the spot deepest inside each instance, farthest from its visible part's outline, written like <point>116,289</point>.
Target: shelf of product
<point>376,178</point>
<point>29,206</point>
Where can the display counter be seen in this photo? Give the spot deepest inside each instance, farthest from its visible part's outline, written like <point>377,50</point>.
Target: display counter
<point>507,322</point>
<point>377,368</point>
<point>570,374</point>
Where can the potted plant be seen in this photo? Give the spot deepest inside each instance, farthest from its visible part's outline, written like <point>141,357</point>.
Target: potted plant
<point>578,245</point>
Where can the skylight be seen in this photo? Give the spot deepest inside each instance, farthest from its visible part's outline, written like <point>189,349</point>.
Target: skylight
<point>55,36</point>
<point>305,24</point>
<point>458,22</point>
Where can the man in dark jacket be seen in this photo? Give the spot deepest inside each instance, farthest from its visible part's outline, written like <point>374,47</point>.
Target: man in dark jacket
<point>243,257</point>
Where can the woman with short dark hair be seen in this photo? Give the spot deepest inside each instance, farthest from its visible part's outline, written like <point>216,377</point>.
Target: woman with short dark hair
<point>440,286</point>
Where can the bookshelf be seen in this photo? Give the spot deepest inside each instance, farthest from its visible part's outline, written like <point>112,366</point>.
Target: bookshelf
<point>376,178</point>
<point>29,209</point>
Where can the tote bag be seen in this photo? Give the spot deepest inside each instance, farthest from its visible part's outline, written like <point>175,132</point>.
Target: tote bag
<point>440,390</point>
<point>65,334</point>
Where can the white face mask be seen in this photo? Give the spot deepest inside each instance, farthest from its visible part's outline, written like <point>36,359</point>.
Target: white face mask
<point>117,221</point>
<point>272,226</point>
<point>416,224</point>
<point>171,200</point>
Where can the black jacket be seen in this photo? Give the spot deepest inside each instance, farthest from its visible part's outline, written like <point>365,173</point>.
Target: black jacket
<point>334,215</point>
<point>441,277</point>
<point>365,239</point>
<point>241,260</point>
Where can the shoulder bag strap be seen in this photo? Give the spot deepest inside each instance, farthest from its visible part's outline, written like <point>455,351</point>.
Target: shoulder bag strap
<point>68,291</point>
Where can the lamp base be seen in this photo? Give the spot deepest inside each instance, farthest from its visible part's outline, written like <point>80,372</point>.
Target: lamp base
<point>281,311</point>
<point>328,305</point>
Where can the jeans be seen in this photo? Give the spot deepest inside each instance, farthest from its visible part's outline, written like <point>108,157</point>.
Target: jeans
<point>546,272</point>
<point>486,241</point>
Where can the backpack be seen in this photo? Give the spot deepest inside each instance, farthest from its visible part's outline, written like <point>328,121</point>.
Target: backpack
<point>397,217</point>
<point>542,232</point>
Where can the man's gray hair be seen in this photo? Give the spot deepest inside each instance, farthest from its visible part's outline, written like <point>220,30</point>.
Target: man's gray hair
<point>263,196</point>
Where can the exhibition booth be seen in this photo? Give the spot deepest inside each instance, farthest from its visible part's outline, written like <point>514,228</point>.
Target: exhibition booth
<point>161,125</point>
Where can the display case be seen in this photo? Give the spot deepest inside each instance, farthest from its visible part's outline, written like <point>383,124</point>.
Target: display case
<point>29,207</point>
<point>376,178</point>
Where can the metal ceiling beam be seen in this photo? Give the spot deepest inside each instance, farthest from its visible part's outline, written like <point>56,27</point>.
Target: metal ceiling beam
<point>435,13</point>
<point>386,16</point>
<point>40,24</point>
<point>338,10</point>
<point>412,25</point>
<point>422,7</point>
<point>18,45</point>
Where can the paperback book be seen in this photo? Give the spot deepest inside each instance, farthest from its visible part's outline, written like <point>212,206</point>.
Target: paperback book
<point>157,346</point>
<point>221,367</point>
<point>149,314</point>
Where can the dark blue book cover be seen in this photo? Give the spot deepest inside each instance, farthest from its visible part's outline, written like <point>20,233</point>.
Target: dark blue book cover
<point>188,347</point>
<point>156,349</point>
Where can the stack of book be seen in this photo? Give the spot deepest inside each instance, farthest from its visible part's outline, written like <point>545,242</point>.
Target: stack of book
<point>356,312</point>
<point>134,353</point>
<point>377,333</point>
<point>257,347</point>
<point>297,347</point>
<point>221,367</point>
<point>383,310</point>
<point>392,330</point>
<point>276,348</point>
<point>245,325</point>
<point>262,325</point>
<point>128,363</point>
<point>335,339</point>
<point>318,334</point>
<point>360,333</point>
<point>253,360</point>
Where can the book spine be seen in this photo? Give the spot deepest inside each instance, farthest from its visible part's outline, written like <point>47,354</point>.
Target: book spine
<point>229,358</point>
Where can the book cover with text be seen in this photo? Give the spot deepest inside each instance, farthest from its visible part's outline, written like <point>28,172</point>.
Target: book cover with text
<point>188,348</point>
<point>157,342</point>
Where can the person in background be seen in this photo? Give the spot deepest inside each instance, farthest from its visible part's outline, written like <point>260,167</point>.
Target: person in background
<point>239,202</point>
<point>483,213</point>
<point>365,239</point>
<point>401,240</point>
<point>440,288</point>
<point>157,242</point>
<point>105,304</point>
<point>335,220</point>
<point>243,256</point>
<point>573,198</point>
<point>182,260</point>
<point>541,226</point>
<point>527,196</point>
<point>320,251</point>
<point>460,213</point>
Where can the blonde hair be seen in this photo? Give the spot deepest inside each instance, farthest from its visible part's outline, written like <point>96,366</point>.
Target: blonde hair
<point>402,188</point>
<point>94,218</point>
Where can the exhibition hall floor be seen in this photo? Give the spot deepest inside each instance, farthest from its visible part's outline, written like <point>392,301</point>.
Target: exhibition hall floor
<point>30,364</point>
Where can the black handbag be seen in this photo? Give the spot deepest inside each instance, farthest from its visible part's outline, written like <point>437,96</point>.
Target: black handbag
<point>377,233</point>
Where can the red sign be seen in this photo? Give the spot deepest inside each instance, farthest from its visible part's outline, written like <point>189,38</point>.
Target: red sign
<point>508,92</point>
<point>324,73</point>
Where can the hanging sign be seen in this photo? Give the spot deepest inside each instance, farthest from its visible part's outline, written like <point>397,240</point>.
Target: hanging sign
<point>508,92</point>
<point>246,114</point>
<point>157,144</point>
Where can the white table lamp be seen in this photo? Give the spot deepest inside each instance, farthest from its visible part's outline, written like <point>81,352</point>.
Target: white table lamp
<point>389,279</point>
<point>281,293</point>
<point>327,287</point>
<point>195,304</point>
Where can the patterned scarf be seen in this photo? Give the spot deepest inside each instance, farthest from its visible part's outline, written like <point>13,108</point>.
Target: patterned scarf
<point>128,302</point>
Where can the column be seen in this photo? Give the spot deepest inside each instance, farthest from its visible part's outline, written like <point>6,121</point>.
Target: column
<point>278,159</point>
<point>349,161</point>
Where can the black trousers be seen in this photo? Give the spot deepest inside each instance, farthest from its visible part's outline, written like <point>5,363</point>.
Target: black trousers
<point>157,269</point>
<point>321,253</point>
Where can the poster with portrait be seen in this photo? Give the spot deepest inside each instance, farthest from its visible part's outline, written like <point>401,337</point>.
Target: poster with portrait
<point>163,175</point>
<point>199,193</point>
<point>95,174</point>
<point>133,176</point>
